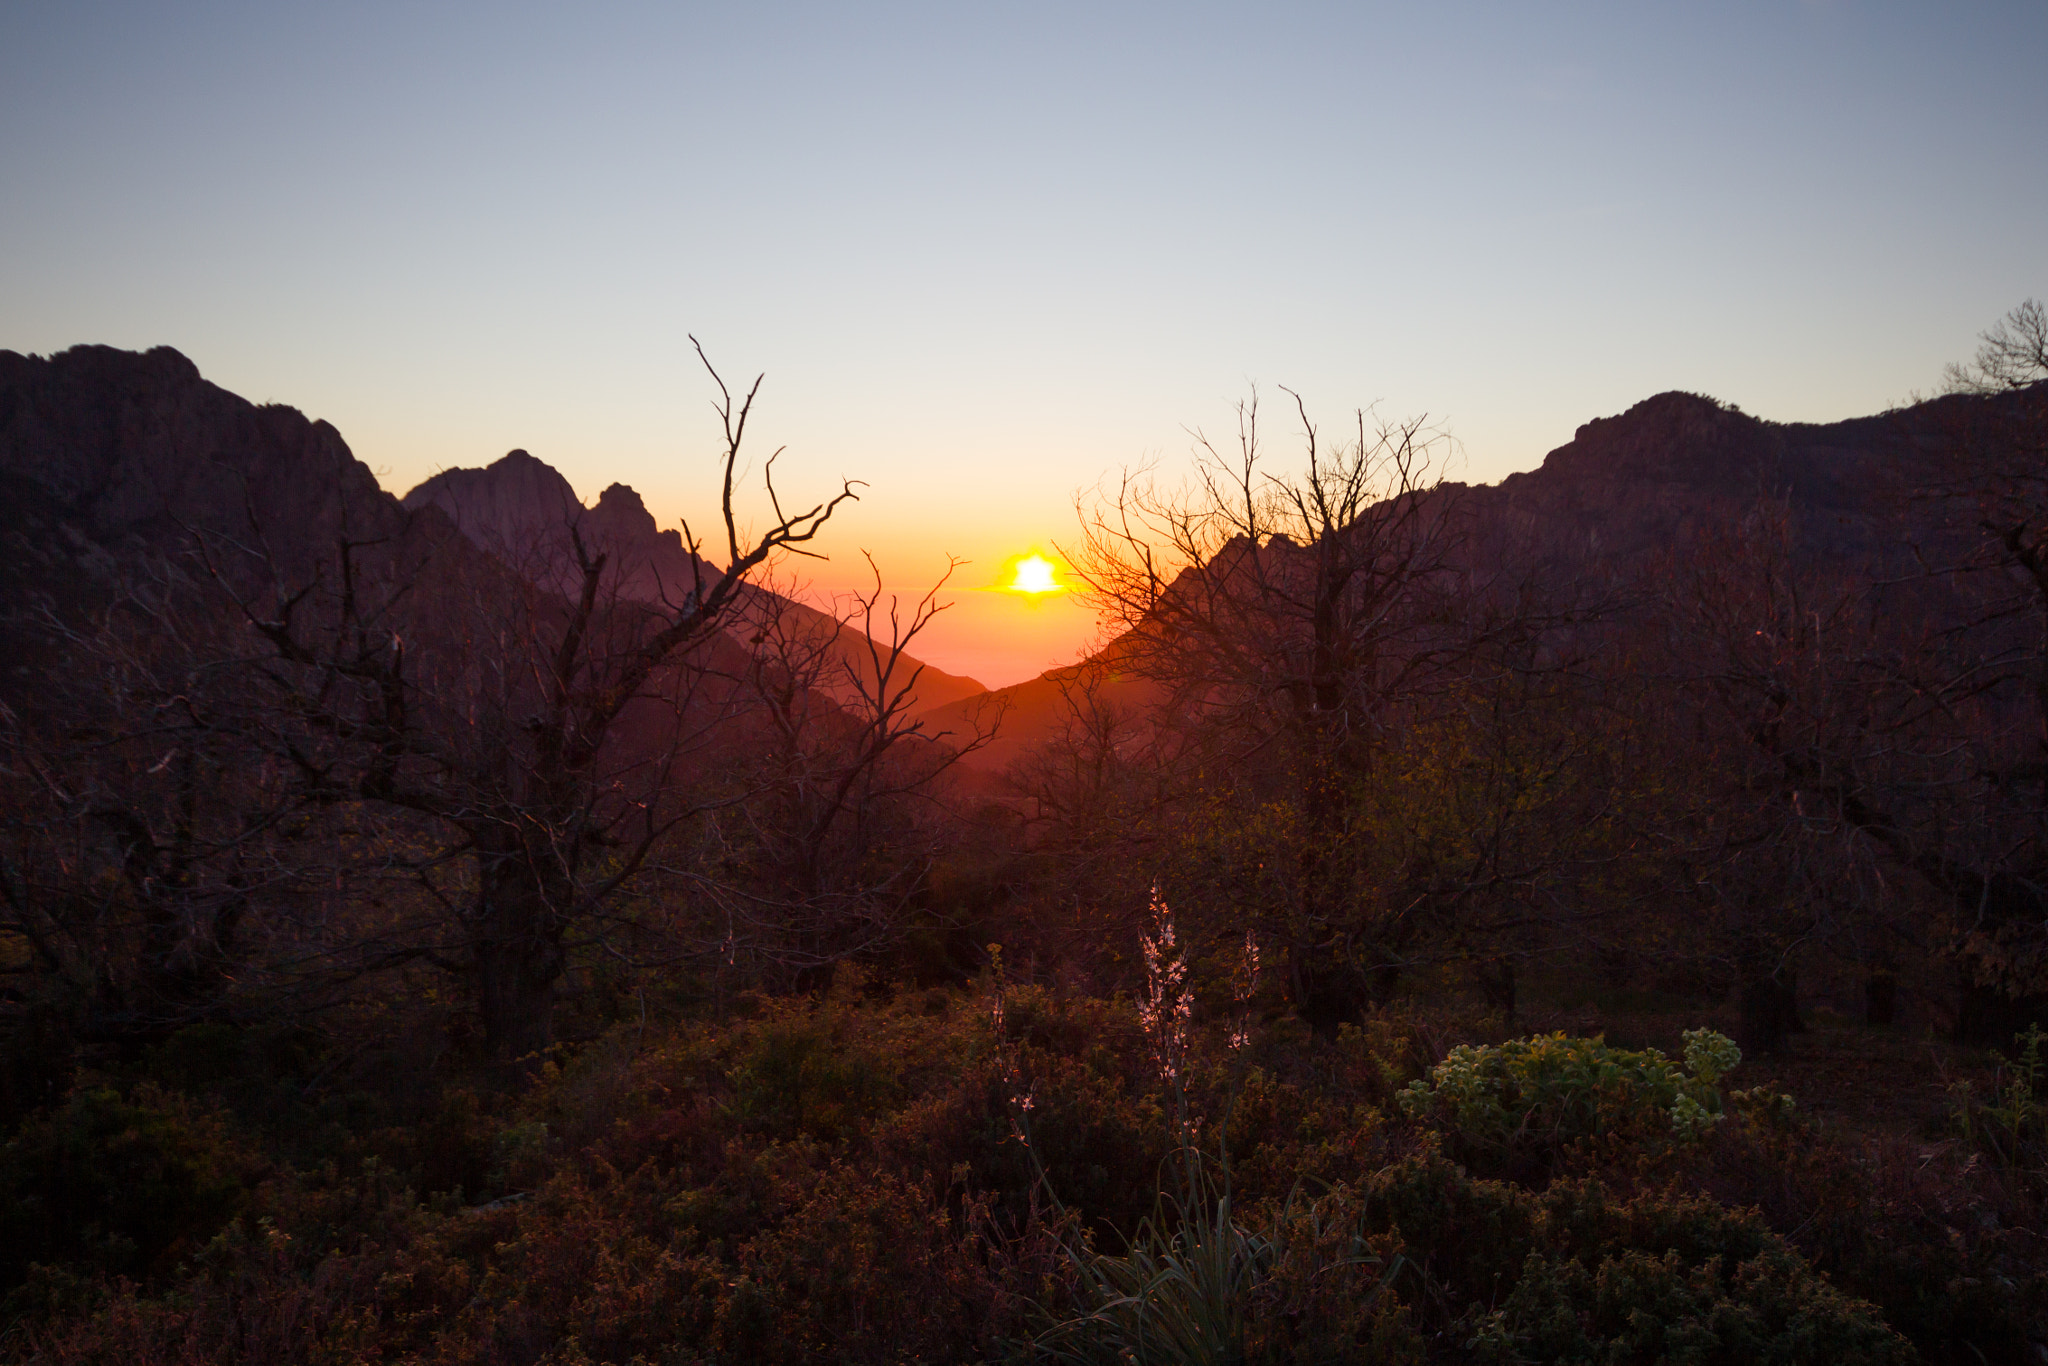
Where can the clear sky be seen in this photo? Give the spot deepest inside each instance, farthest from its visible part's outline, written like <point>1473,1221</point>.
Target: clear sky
<point>988,252</point>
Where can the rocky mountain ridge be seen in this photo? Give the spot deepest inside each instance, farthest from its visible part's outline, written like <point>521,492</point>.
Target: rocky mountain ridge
<point>106,454</point>
<point>522,510</point>
<point>1653,481</point>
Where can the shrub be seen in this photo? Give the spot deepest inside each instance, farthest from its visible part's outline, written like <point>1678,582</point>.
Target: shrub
<point>1517,1107</point>
<point>869,1268</point>
<point>1638,1306</point>
<point>1951,1260</point>
<point>805,1074</point>
<point>2012,1128</point>
<point>116,1182</point>
<point>1573,1275</point>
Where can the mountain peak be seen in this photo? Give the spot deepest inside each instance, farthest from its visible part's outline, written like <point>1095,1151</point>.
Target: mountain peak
<point>1672,437</point>
<point>509,502</point>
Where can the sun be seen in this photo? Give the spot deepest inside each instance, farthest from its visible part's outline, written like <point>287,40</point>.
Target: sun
<point>1036,575</point>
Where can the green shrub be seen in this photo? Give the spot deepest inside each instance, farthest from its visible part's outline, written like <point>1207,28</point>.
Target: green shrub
<point>1516,1107</point>
<point>1951,1260</point>
<point>1638,1306</point>
<point>870,1267</point>
<point>1572,1275</point>
<point>2012,1128</point>
<point>802,1074</point>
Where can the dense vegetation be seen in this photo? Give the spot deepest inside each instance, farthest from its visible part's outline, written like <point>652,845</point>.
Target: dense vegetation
<point>858,1177</point>
<point>1427,933</point>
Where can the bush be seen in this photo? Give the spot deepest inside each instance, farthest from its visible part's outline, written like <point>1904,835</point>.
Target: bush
<point>2012,1128</point>
<point>116,1183</point>
<point>1637,1306</point>
<point>1517,1108</point>
<point>1951,1260</point>
<point>1572,1275</point>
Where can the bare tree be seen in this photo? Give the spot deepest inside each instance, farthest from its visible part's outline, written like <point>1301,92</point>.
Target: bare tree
<point>151,848</point>
<point>1906,719</point>
<point>833,840</point>
<point>1295,620</point>
<point>531,734</point>
<point>2012,354</point>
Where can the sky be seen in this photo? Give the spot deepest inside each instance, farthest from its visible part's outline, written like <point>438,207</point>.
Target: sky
<point>988,254</point>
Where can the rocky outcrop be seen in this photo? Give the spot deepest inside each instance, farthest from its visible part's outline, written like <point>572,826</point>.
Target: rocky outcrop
<point>504,507</point>
<point>139,448</point>
<point>521,506</point>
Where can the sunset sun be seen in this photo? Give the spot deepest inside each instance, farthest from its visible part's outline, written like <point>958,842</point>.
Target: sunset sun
<point>1035,575</point>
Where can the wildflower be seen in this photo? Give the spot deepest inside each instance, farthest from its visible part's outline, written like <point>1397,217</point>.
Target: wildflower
<point>1246,981</point>
<point>1006,1053</point>
<point>1169,1003</point>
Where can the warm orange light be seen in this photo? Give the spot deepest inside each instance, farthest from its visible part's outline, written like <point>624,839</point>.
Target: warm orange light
<point>1035,574</point>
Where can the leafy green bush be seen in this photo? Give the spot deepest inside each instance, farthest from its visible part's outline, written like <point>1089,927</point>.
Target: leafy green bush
<point>1516,1106</point>
<point>856,1178</point>
<point>1951,1260</point>
<point>1637,1306</point>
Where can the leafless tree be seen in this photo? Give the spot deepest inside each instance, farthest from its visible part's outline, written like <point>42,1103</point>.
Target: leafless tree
<point>1296,620</point>
<point>1905,718</point>
<point>531,734</point>
<point>833,840</point>
<point>2012,354</point>
<point>150,846</point>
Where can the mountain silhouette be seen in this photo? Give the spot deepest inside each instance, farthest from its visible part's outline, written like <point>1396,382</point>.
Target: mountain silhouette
<point>1648,485</point>
<point>110,456</point>
<point>522,510</point>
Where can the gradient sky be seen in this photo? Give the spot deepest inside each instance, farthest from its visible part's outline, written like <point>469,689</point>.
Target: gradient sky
<point>988,252</point>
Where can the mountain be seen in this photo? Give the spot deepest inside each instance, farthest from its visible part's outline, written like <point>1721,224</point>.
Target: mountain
<point>1678,466</point>
<point>1649,483</point>
<point>523,510</point>
<point>138,451</point>
<point>111,461</point>
<point>106,455</point>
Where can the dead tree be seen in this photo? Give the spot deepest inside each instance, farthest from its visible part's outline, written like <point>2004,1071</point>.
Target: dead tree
<point>831,845</point>
<point>531,734</point>
<point>1295,620</point>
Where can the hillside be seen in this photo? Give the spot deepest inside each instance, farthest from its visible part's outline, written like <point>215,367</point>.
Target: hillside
<point>1560,920</point>
<point>1642,487</point>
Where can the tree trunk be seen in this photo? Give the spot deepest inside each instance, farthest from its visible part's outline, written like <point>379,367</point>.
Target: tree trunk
<point>517,951</point>
<point>1325,991</point>
<point>1770,1009</point>
<point>1497,987</point>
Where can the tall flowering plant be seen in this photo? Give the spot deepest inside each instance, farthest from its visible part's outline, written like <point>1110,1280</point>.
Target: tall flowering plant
<point>1006,1052</point>
<point>1184,1288</point>
<point>1244,982</point>
<point>1165,1012</point>
<point>1168,1005</point>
